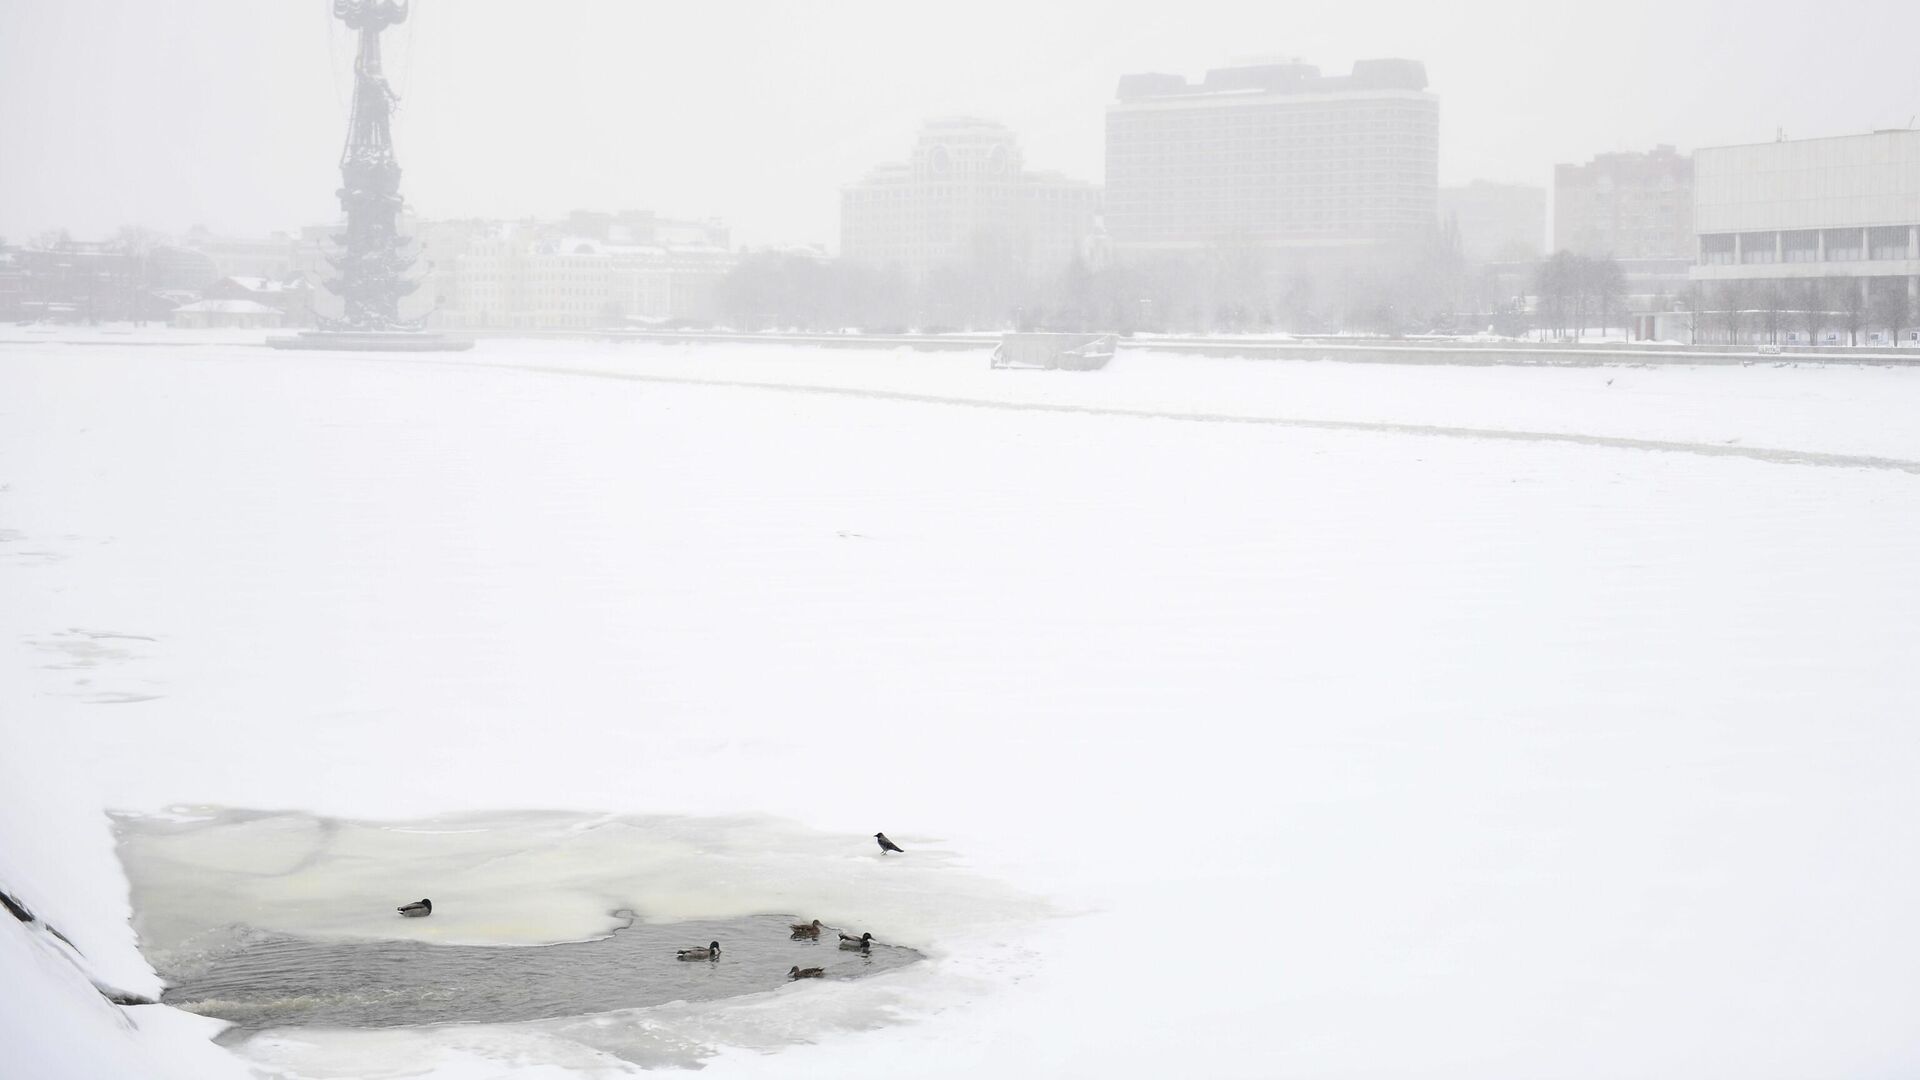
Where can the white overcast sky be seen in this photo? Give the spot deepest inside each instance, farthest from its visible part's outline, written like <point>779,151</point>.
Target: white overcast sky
<point>230,113</point>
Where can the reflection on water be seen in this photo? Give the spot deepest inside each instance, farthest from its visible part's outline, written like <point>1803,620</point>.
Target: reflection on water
<point>274,980</point>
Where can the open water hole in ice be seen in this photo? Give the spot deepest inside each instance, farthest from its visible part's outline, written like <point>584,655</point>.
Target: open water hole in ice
<point>268,980</point>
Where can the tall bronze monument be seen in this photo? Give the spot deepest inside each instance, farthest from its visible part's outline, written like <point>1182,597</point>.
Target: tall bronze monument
<point>372,264</point>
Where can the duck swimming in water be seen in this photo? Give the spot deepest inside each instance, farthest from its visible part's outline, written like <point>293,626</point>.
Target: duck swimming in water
<point>419,909</point>
<point>797,972</point>
<point>861,943</point>
<point>806,930</point>
<point>711,952</point>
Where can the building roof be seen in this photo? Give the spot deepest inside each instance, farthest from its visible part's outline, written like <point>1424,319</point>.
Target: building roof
<point>230,307</point>
<point>1292,77</point>
<point>587,245</point>
<point>259,284</point>
<point>1878,134</point>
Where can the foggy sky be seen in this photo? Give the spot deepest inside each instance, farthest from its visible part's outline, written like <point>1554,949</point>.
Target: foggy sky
<point>230,113</point>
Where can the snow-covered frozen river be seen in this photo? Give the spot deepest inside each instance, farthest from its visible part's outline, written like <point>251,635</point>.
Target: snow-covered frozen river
<point>1442,722</point>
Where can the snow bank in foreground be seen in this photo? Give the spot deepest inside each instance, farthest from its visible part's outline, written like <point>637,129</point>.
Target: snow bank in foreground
<point>56,1020</point>
<point>50,1010</point>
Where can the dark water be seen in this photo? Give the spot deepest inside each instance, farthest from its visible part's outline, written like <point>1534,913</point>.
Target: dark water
<point>272,980</point>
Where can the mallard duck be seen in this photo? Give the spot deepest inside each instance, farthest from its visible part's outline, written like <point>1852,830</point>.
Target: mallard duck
<point>887,845</point>
<point>798,972</point>
<point>861,942</point>
<point>711,952</point>
<point>419,909</point>
<point>807,930</point>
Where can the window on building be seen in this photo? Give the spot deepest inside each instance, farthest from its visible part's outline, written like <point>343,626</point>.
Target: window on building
<point>1887,243</point>
<point>1716,250</point>
<point>1757,248</point>
<point>1800,247</point>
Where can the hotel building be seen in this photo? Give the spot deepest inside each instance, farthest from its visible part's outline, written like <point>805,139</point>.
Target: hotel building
<point>1273,156</point>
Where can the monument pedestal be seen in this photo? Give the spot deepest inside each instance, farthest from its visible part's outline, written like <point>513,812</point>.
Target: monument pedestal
<point>371,341</point>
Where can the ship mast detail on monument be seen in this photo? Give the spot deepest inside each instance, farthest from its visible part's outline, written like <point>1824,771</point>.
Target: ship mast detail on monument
<point>373,262</point>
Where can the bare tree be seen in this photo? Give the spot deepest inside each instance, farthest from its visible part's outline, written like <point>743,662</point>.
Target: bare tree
<point>1733,299</point>
<point>1556,283</point>
<point>1296,304</point>
<point>1852,303</point>
<point>1609,284</point>
<point>134,240</point>
<point>1888,307</point>
<point>1580,292</point>
<point>1810,297</point>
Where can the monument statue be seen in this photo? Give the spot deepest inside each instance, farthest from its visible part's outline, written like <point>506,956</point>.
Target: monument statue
<point>372,263</point>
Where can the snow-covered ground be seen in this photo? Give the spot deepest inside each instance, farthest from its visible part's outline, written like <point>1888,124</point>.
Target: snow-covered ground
<point>1428,721</point>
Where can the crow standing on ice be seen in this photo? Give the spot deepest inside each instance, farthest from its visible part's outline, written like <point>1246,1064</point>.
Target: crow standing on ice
<point>887,845</point>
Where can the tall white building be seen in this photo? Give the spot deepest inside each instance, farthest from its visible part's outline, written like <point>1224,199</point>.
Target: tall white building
<point>964,197</point>
<point>1628,206</point>
<point>1842,210</point>
<point>1273,156</point>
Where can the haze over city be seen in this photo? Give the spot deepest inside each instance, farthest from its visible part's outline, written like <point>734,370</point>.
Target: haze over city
<point>228,113</point>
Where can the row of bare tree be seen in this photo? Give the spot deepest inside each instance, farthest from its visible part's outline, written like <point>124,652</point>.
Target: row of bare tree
<point>1574,289</point>
<point>1229,288</point>
<point>1738,312</point>
<point>1424,286</point>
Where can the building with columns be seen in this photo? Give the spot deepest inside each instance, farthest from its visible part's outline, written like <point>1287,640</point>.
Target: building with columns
<point>591,270</point>
<point>1834,221</point>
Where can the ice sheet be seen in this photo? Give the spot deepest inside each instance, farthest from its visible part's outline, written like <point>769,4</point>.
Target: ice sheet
<point>520,878</point>
<point>1366,753</point>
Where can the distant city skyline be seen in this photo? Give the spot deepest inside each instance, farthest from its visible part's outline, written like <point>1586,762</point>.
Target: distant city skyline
<point>230,113</point>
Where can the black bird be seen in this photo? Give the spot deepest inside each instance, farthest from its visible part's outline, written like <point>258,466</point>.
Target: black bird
<point>711,952</point>
<point>887,845</point>
<point>863,942</point>
<point>798,972</point>
<point>419,909</point>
